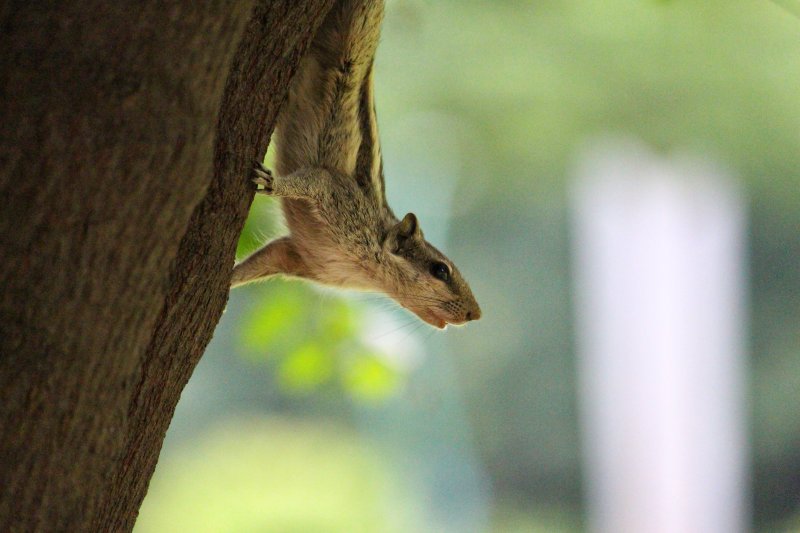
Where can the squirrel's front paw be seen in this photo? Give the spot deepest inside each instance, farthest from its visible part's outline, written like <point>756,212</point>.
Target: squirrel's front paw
<point>263,179</point>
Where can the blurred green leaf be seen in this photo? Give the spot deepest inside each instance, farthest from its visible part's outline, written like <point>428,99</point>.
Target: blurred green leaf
<point>340,321</point>
<point>306,368</point>
<point>261,225</point>
<point>277,318</point>
<point>368,377</point>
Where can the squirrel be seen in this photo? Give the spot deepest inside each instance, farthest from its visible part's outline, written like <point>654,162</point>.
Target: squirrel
<point>329,177</point>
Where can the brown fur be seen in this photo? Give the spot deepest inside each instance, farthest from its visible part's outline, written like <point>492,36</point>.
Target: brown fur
<point>330,181</point>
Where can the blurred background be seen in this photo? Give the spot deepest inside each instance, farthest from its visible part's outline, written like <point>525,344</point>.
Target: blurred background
<point>501,121</point>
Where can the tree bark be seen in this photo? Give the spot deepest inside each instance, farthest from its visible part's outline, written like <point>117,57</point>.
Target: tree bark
<point>128,131</point>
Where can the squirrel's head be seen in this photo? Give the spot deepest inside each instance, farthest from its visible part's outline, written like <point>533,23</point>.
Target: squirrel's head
<point>423,280</point>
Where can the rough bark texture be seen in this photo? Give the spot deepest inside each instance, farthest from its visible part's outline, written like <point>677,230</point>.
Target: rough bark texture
<point>126,136</point>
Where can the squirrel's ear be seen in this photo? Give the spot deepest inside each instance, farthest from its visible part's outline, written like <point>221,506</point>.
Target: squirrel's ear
<point>402,232</point>
<point>409,227</point>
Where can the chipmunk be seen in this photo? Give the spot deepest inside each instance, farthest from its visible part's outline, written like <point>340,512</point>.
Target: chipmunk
<point>329,177</point>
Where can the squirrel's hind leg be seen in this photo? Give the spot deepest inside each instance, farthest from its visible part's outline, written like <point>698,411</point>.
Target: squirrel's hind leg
<point>278,257</point>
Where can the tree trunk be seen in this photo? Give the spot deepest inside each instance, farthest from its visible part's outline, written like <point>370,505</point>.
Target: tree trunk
<point>127,133</point>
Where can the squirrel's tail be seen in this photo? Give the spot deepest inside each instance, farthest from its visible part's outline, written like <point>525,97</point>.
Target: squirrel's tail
<point>327,117</point>
<point>349,35</point>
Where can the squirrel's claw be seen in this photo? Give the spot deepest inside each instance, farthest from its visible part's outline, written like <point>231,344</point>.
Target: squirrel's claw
<point>263,178</point>
<point>259,168</point>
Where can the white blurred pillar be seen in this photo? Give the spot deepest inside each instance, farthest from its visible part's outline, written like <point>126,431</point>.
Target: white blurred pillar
<point>659,295</point>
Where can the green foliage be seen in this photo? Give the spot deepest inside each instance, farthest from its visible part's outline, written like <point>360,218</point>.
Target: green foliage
<point>289,476</point>
<point>268,476</point>
<point>306,368</point>
<point>259,227</point>
<point>791,6</point>
<point>314,341</point>
<point>369,378</point>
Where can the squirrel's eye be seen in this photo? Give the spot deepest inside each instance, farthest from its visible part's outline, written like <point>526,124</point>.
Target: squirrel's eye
<point>440,271</point>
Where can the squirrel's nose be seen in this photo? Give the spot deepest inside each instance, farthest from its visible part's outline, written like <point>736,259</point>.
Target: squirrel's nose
<point>475,314</point>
